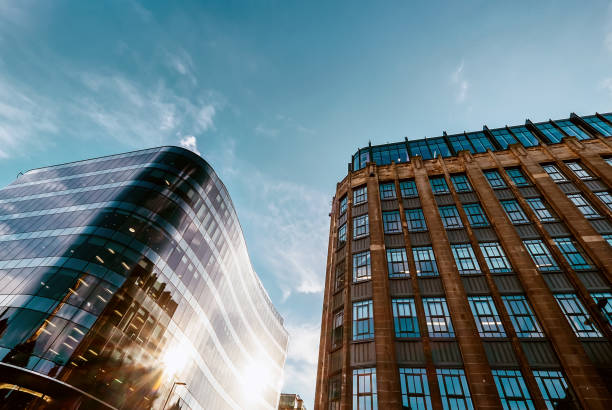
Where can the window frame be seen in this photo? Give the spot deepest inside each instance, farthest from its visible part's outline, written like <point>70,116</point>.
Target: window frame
<point>577,316</point>
<point>440,314</point>
<point>415,220</point>
<point>486,316</point>
<point>496,262</point>
<point>387,190</point>
<point>476,219</point>
<point>363,320</point>
<point>461,183</point>
<point>414,388</point>
<point>361,262</point>
<point>417,253</point>
<point>541,209</point>
<point>509,383</point>
<point>392,222</point>
<point>393,263</point>
<point>438,185</point>
<point>367,399</point>
<point>494,175</point>
<point>405,319</point>
<point>360,195</point>
<point>465,259</point>
<point>543,255</point>
<point>554,173</point>
<point>361,226</point>
<point>583,205</point>
<point>524,321</point>
<point>452,382</point>
<point>408,189</point>
<point>450,217</point>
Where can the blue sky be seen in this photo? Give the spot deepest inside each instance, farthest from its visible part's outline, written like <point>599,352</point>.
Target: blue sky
<point>277,95</point>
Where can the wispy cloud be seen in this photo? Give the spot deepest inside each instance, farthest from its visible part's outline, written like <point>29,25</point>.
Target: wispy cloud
<point>459,82</point>
<point>190,142</point>
<point>181,61</point>
<point>261,129</point>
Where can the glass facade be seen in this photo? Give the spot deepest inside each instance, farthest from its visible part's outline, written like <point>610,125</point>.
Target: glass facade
<point>123,274</point>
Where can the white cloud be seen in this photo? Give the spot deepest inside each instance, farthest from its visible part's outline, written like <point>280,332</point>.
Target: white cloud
<point>190,142</point>
<point>459,82</point>
<point>606,84</point>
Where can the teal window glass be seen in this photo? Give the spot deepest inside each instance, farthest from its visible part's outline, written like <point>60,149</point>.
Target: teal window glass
<point>415,220</point>
<point>522,317</point>
<point>385,154</point>
<point>392,222</point>
<point>461,183</point>
<point>397,263</point>
<point>364,389</point>
<point>405,317</point>
<point>415,389</point>
<point>541,209</point>
<point>343,205</point>
<point>583,206</point>
<point>342,234</point>
<point>465,259</point>
<point>517,176</point>
<point>438,146</point>
<point>552,133</point>
<point>554,173</point>
<point>495,257</point>
<point>494,179</point>
<point>454,389</point>
<point>475,215</point>
<point>460,142</point>
<point>481,142</point>
<point>605,197</point>
<point>573,253</point>
<point>425,261</point>
<point>438,318</point>
<point>604,303</point>
<point>525,136</point>
<point>387,190</point>
<point>576,315</point>
<point>579,171</point>
<point>360,195</point>
<point>450,217</point>
<point>514,211</point>
<point>600,125</point>
<point>438,185</point>
<point>361,226</point>
<point>572,129</point>
<point>362,269</point>
<point>485,315</point>
<point>363,320</point>
<point>540,254</point>
<point>553,387</point>
<point>512,389</point>
<point>408,189</point>
<point>504,138</point>
<point>420,147</point>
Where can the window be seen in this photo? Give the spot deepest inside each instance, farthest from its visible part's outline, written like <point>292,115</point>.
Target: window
<point>421,148</point>
<point>541,255</point>
<point>454,389</point>
<point>415,389</point>
<point>517,177</point>
<point>495,179</point>
<point>512,389</point>
<point>461,183</point>
<point>342,235</point>
<point>425,261</point>
<point>553,134</point>
<point>335,392</point>
<point>343,204</point>
<point>576,315</point>
<point>337,327</point>
<point>361,226</point>
<point>361,266</point>
<point>405,318</point>
<point>485,314</point>
<point>387,190</point>
<point>391,222</point>
<point>465,259</point>
<point>360,195</point>
<point>608,238</point>
<point>601,126</point>
<point>480,142</point>
<point>552,386</point>
<point>364,389</point>
<point>573,253</point>
<point>604,303</point>
<point>360,159</point>
<point>384,155</point>
<point>363,320</point>
<point>571,129</point>
<point>397,263</point>
<point>554,173</point>
<point>583,206</point>
<point>495,257</point>
<point>541,209</point>
<point>450,217</point>
<point>438,185</point>
<point>415,220</point>
<point>460,143</point>
<point>408,189</point>
<point>525,136</point>
<point>579,171</point>
<point>606,198</point>
<point>522,317</point>
<point>437,318</point>
<point>504,138</point>
<point>339,278</point>
<point>475,215</point>
<point>514,212</point>
<point>438,146</point>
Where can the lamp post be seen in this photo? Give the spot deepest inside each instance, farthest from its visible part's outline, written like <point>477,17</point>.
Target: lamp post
<point>171,389</point>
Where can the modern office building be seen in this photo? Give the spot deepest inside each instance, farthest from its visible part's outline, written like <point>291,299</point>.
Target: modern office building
<point>125,283</point>
<point>472,271</point>
<point>291,402</point>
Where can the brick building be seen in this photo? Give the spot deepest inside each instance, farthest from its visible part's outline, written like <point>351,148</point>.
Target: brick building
<point>472,271</point>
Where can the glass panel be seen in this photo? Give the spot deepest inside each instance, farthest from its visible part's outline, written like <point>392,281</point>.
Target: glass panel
<point>512,389</point>
<point>522,317</point>
<point>454,389</point>
<point>415,389</point>
<point>553,134</point>
<point>405,318</point>
<point>361,266</point>
<point>425,261</point>
<point>540,254</point>
<point>438,318</point>
<point>571,129</point>
<point>363,320</point>
<point>504,138</point>
<point>576,315</point>
<point>397,263</point>
<point>481,142</point>
<point>485,315</point>
<point>461,143</point>
<point>465,259</point>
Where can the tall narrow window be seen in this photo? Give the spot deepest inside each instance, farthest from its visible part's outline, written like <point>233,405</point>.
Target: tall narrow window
<point>573,130</point>
<point>475,215</point>
<point>339,278</point>
<point>387,190</point>
<point>361,266</point>
<point>335,392</point>
<point>454,389</point>
<point>342,235</point>
<point>604,304</point>
<point>391,222</point>
<point>461,183</point>
<point>576,315</point>
<point>517,176</point>
<point>541,209</point>
<point>495,179</point>
<point>363,320</point>
<point>552,386</point>
<point>553,134</point>
<point>583,206</point>
<point>438,318</point>
<point>606,198</point>
<point>343,205</point>
<point>425,261</point>
<point>415,389</point>
<point>438,185</point>
<point>361,226</point>
<point>603,127</point>
<point>495,257</point>
<point>465,259</point>
<point>415,220</point>
<point>364,389</point>
<point>554,173</point>
<point>540,254</point>
<point>573,253</point>
<point>485,314</point>
<point>338,325</point>
<point>522,317</point>
<point>450,217</point>
<point>408,189</point>
<point>512,389</point>
<point>405,318</point>
<point>397,263</point>
<point>579,171</point>
<point>515,212</point>
<point>360,195</point>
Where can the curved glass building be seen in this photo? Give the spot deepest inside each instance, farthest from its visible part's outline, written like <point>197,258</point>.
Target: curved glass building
<point>125,283</point>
